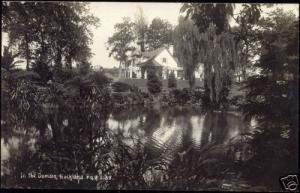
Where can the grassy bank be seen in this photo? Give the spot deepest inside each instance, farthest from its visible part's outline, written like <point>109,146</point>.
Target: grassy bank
<point>142,83</point>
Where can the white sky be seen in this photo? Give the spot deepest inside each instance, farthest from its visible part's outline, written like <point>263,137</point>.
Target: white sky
<point>111,13</point>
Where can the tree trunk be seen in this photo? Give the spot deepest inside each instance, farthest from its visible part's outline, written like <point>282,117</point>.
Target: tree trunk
<point>120,70</point>
<point>43,54</point>
<point>192,82</point>
<point>213,91</point>
<point>246,62</point>
<point>69,62</point>
<point>143,43</point>
<point>27,51</point>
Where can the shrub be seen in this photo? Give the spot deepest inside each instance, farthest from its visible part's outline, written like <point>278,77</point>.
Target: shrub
<point>197,96</point>
<point>22,94</point>
<point>154,84</point>
<point>181,96</point>
<point>172,82</point>
<point>90,90</point>
<point>43,70</point>
<point>98,79</point>
<point>18,88</point>
<point>62,75</point>
<point>127,98</point>
<point>84,67</point>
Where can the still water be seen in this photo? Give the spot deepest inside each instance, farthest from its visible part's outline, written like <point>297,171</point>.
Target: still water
<point>109,149</point>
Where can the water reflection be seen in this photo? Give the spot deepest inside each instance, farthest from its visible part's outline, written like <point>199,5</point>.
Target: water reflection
<point>115,145</point>
<point>181,127</point>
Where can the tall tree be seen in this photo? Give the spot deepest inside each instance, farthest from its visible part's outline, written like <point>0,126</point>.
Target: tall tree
<point>53,31</point>
<point>121,42</point>
<point>218,53</point>
<point>19,25</point>
<point>159,34</point>
<point>186,48</point>
<point>246,35</point>
<point>141,27</point>
<point>217,47</point>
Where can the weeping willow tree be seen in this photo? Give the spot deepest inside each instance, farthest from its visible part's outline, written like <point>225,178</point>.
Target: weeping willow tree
<point>217,48</point>
<point>186,47</point>
<point>219,55</point>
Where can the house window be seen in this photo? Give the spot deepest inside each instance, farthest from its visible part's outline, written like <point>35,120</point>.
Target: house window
<point>164,60</point>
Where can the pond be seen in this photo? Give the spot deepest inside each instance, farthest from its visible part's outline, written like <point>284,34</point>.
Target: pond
<point>135,148</point>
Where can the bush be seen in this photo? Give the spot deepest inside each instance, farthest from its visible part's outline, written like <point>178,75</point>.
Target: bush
<point>62,75</point>
<point>89,90</point>
<point>98,79</point>
<point>43,70</point>
<point>172,82</point>
<point>127,98</point>
<point>22,94</point>
<point>84,67</point>
<point>19,89</point>
<point>181,96</point>
<point>154,84</point>
<point>197,96</point>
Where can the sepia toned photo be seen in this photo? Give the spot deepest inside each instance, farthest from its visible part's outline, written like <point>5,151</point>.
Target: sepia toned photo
<point>149,96</point>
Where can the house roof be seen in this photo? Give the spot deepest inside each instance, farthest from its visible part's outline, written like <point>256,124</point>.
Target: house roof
<point>150,57</point>
<point>153,53</point>
<point>150,62</point>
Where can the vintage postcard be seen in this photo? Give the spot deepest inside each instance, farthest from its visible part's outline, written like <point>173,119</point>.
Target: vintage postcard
<point>149,96</point>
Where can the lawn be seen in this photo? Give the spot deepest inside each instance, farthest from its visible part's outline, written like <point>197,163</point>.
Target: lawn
<point>142,83</point>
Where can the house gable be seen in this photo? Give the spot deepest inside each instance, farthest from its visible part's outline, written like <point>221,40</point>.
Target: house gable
<point>165,59</point>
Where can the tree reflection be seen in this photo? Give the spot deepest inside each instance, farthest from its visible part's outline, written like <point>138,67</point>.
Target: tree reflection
<point>81,141</point>
<point>215,128</point>
<point>152,121</point>
<point>78,146</point>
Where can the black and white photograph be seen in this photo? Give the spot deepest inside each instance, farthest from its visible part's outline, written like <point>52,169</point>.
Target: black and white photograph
<point>168,96</point>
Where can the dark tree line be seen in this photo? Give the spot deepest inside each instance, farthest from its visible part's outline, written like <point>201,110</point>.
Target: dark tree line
<point>49,33</point>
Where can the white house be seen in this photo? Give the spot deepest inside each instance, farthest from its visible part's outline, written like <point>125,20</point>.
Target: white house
<point>162,59</point>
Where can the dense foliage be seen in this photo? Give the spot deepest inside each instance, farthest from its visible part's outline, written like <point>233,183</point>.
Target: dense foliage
<point>186,48</point>
<point>55,36</point>
<point>153,83</point>
<point>204,14</point>
<point>55,33</point>
<point>264,50</point>
<point>273,96</point>
<point>219,55</point>
<point>159,34</point>
<point>216,48</point>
